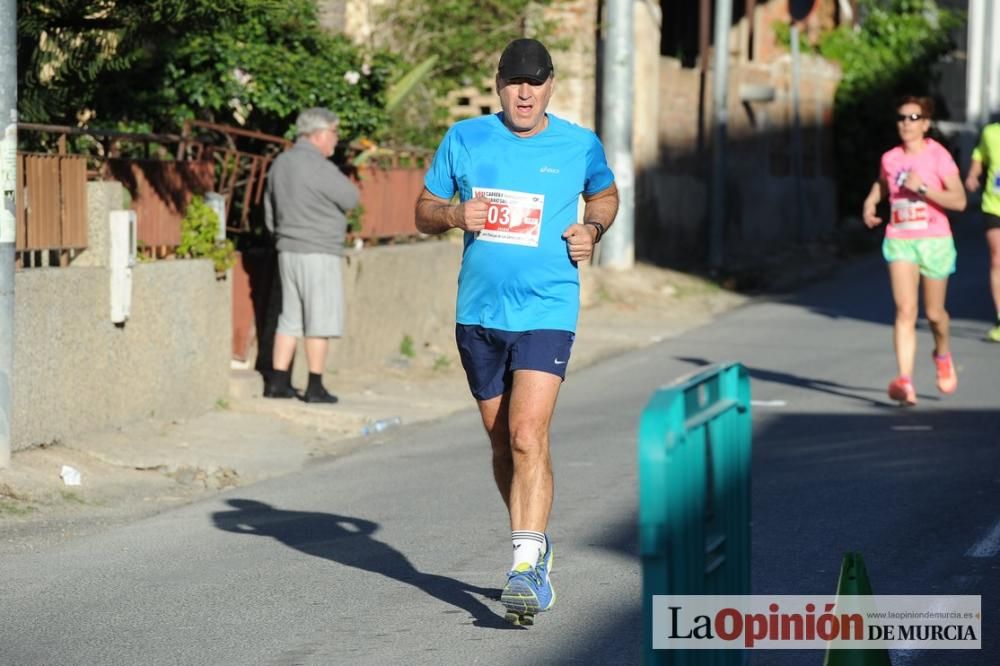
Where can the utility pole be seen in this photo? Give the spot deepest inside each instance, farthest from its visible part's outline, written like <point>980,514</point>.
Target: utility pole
<point>800,207</point>
<point>976,33</point>
<point>720,98</point>
<point>988,73</point>
<point>8,212</point>
<point>618,247</point>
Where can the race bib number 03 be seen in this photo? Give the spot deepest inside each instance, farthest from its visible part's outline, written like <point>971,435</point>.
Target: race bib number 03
<point>909,215</point>
<point>514,218</point>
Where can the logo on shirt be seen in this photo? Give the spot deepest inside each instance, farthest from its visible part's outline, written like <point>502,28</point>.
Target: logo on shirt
<point>548,169</point>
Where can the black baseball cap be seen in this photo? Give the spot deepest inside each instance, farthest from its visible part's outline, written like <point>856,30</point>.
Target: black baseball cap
<point>525,59</point>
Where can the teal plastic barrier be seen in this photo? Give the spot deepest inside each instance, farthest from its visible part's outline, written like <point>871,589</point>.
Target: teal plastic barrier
<point>694,497</point>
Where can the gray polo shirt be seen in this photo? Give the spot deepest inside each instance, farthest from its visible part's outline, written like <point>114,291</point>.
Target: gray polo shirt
<point>307,200</point>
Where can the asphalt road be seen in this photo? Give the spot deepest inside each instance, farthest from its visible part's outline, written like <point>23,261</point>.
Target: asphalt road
<point>395,553</point>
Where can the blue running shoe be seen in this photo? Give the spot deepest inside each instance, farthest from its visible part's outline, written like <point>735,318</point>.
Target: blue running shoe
<point>544,566</point>
<point>528,590</point>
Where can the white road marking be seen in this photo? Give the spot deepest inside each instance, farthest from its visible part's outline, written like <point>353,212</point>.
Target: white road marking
<point>988,546</point>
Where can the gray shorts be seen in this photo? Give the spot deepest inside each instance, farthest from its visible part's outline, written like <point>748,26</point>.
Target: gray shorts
<point>312,295</point>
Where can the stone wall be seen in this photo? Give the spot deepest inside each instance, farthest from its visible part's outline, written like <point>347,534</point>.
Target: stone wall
<point>576,64</point>
<point>75,371</point>
<point>763,193</point>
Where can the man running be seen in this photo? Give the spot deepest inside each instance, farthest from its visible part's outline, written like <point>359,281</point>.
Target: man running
<point>988,153</point>
<point>518,176</point>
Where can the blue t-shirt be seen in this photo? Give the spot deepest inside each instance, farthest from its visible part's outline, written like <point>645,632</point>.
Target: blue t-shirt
<point>516,274</point>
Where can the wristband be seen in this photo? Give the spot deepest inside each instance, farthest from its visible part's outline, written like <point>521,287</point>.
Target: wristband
<point>922,190</point>
<point>599,227</point>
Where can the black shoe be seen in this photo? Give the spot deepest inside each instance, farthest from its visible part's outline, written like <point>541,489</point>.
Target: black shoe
<point>320,396</point>
<point>279,392</point>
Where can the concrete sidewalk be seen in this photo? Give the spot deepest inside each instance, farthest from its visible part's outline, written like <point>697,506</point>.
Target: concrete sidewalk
<point>150,466</point>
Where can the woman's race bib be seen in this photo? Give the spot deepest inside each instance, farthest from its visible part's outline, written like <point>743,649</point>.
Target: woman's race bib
<point>514,218</point>
<point>910,214</point>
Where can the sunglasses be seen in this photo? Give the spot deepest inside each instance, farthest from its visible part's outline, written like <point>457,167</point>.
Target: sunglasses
<point>912,117</point>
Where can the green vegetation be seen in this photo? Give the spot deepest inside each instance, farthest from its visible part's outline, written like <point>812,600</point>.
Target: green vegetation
<point>154,63</point>
<point>198,236</point>
<point>355,219</point>
<point>890,54</point>
<point>442,363</point>
<point>695,287</point>
<point>71,497</point>
<point>406,347</point>
<point>462,40</point>
<point>149,65</point>
<point>11,507</point>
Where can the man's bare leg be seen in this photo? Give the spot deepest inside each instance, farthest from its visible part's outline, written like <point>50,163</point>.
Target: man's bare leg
<point>494,413</point>
<point>316,349</point>
<point>279,383</point>
<point>522,467</point>
<point>284,350</point>
<point>517,424</point>
<point>532,402</point>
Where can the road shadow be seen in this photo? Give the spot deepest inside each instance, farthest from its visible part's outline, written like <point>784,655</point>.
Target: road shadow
<point>819,385</point>
<point>862,290</point>
<point>348,541</point>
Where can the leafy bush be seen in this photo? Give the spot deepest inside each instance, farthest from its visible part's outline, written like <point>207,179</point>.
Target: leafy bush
<point>355,219</point>
<point>76,57</point>
<point>159,62</point>
<point>464,39</point>
<point>406,347</point>
<point>198,236</point>
<point>274,62</point>
<point>890,54</point>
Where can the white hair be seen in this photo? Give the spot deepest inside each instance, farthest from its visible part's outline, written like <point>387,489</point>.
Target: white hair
<point>315,120</point>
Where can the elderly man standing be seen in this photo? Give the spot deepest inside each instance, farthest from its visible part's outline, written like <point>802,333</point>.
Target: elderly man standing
<point>306,207</point>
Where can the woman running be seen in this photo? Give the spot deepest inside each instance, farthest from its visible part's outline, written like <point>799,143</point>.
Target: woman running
<point>921,181</point>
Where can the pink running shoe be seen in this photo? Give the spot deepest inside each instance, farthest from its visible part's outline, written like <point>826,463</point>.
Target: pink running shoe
<point>947,378</point>
<point>901,390</point>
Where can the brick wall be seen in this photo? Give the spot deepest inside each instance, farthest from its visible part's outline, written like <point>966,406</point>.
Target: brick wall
<point>762,192</point>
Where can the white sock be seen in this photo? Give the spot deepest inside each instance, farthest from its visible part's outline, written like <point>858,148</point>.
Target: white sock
<point>528,547</point>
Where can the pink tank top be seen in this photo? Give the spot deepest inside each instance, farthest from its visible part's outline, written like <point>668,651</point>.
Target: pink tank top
<point>912,216</point>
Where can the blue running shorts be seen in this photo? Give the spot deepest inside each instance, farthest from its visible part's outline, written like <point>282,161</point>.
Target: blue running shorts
<point>490,356</point>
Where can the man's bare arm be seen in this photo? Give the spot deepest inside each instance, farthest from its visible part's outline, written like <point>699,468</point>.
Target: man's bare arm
<point>599,212</point>
<point>435,215</point>
<point>601,207</point>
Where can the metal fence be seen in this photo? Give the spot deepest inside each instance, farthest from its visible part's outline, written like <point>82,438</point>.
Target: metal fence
<point>52,208</point>
<point>388,198</point>
<point>51,218</point>
<point>241,160</point>
<point>161,191</point>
